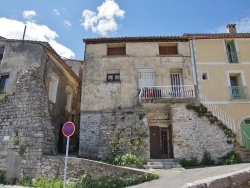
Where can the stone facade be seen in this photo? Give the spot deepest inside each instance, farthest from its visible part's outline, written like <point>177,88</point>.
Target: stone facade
<point>192,135</point>
<point>99,129</point>
<point>26,130</point>
<point>31,122</point>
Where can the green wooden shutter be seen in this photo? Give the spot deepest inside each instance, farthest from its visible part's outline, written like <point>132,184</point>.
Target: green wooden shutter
<point>235,54</point>
<point>228,52</point>
<point>245,140</point>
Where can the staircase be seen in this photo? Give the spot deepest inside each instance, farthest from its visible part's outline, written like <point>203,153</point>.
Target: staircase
<point>244,153</point>
<point>230,123</point>
<point>162,164</point>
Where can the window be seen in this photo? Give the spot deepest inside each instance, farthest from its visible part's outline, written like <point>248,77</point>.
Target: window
<point>146,77</point>
<point>1,52</point>
<point>232,54</point>
<point>168,50</point>
<point>113,77</point>
<point>116,49</point>
<point>237,88</point>
<point>53,88</point>
<point>69,93</point>
<point>4,83</point>
<point>204,76</point>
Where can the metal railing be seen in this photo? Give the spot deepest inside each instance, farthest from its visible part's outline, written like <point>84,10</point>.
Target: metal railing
<point>161,92</point>
<point>226,119</point>
<point>238,92</point>
<point>233,57</point>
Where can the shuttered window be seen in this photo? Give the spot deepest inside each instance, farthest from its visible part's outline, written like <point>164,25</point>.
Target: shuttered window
<point>167,50</point>
<point>117,51</point>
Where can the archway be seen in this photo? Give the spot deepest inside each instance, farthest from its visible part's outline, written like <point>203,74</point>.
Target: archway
<point>245,133</point>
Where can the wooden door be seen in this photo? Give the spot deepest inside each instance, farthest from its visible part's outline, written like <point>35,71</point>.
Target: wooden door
<point>245,127</point>
<point>155,143</point>
<point>164,144</point>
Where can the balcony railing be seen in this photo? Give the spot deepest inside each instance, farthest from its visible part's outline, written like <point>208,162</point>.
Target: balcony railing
<point>233,57</point>
<point>163,92</point>
<point>238,92</point>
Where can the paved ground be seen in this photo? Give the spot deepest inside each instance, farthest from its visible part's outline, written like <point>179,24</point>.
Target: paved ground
<point>175,178</point>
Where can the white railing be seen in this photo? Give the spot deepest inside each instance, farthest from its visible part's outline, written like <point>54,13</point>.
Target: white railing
<point>218,112</point>
<point>161,92</point>
<point>226,119</point>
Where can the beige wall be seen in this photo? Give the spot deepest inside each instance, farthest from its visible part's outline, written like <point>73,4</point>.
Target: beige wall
<point>210,50</point>
<point>210,58</point>
<point>243,47</point>
<point>98,94</point>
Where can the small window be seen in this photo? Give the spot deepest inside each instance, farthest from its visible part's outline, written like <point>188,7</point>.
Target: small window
<point>1,52</point>
<point>53,88</point>
<point>204,76</point>
<point>168,50</point>
<point>116,50</point>
<point>4,83</point>
<point>113,77</point>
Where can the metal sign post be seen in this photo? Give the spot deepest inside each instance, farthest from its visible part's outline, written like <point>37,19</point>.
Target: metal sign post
<point>68,130</point>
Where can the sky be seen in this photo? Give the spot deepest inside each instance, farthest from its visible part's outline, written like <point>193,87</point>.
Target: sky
<point>64,23</point>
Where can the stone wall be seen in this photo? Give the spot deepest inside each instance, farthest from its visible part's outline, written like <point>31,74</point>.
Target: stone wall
<point>53,168</point>
<point>99,128</point>
<point>193,135</point>
<point>25,129</point>
<point>239,179</point>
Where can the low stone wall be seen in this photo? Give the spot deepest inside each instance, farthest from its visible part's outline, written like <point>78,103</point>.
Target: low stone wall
<point>236,179</point>
<point>192,135</point>
<point>52,167</point>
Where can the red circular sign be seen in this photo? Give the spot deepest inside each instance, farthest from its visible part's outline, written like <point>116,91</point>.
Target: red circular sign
<point>68,129</point>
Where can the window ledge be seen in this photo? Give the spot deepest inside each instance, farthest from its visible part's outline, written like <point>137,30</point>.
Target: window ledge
<point>107,82</point>
<point>115,56</point>
<point>170,55</point>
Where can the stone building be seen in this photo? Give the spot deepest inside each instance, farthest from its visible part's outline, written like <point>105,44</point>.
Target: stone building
<point>134,93</point>
<point>40,92</point>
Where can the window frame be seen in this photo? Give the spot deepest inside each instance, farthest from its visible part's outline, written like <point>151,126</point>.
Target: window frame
<point>165,50</point>
<point>113,79</point>
<point>4,86</point>
<point>53,91</point>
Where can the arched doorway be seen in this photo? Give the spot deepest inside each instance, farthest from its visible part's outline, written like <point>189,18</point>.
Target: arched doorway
<point>245,127</point>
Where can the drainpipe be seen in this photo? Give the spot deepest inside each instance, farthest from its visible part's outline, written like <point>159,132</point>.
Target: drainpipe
<point>196,83</point>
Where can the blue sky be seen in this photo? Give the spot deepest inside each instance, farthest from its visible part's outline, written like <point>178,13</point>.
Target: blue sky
<point>64,23</point>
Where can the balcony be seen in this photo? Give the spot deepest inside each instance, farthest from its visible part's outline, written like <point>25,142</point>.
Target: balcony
<point>233,57</point>
<point>183,93</point>
<point>238,92</point>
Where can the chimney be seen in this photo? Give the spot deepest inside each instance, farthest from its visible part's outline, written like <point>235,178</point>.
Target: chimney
<point>231,29</point>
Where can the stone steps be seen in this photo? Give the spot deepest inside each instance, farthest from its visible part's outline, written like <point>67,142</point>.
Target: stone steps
<point>162,164</point>
<point>244,153</point>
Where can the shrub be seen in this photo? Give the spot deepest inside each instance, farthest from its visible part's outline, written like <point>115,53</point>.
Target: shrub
<point>207,159</point>
<point>129,159</point>
<point>187,163</point>
<point>230,158</point>
<point>2,178</point>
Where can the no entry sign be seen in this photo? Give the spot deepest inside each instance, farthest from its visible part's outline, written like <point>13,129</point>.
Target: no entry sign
<point>68,129</point>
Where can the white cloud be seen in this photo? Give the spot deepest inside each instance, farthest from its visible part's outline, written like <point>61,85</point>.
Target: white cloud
<point>56,12</point>
<point>104,21</point>
<point>67,23</point>
<point>29,14</point>
<point>13,29</point>
<point>242,26</point>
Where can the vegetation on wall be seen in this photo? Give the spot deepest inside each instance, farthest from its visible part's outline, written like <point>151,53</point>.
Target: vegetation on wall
<point>202,111</point>
<point>87,181</point>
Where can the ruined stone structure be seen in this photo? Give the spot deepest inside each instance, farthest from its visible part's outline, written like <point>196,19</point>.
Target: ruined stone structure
<point>41,93</point>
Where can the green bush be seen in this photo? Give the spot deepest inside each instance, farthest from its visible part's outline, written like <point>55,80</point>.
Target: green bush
<point>207,159</point>
<point>105,182</point>
<point>129,159</point>
<point>2,178</point>
<point>230,158</point>
<point>187,163</point>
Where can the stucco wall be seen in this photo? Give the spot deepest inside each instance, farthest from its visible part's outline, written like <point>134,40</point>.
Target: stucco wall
<point>98,94</point>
